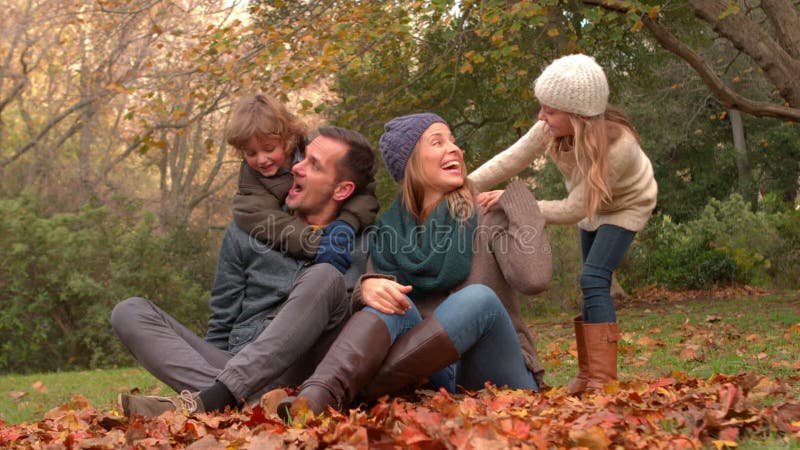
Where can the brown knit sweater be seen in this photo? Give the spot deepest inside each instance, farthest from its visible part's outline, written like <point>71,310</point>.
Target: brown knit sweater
<point>511,255</point>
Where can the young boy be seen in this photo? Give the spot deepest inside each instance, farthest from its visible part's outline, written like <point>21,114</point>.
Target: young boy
<point>270,139</point>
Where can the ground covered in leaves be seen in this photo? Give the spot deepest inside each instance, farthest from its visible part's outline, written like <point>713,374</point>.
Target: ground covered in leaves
<point>698,335</point>
<point>673,412</point>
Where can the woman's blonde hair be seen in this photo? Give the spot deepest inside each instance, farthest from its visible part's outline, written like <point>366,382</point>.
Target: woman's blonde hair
<point>591,140</point>
<point>265,118</point>
<point>460,202</point>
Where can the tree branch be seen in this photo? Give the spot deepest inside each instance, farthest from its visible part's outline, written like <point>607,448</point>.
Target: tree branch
<point>727,96</point>
<point>209,192</point>
<point>722,92</point>
<point>15,91</point>
<point>49,126</point>
<point>778,65</point>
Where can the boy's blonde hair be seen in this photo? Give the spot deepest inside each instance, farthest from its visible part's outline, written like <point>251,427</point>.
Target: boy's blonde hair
<point>265,118</point>
<point>591,141</point>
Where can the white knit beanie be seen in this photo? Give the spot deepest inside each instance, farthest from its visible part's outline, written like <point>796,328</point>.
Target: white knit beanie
<point>574,83</point>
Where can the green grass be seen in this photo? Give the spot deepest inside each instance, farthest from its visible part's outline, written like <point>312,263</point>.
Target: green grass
<point>45,391</point>
<point>698,337</point>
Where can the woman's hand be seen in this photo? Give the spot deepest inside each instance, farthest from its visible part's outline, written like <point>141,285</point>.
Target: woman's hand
<point>385,295</point>
<point>488,199</point>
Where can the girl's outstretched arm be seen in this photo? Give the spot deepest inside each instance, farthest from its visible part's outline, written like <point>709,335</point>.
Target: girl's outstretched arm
<point>512,160</point>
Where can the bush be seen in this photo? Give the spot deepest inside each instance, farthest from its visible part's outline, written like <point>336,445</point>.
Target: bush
<point>727,244</point>
<point>785,267</point>
<point>61,275</point>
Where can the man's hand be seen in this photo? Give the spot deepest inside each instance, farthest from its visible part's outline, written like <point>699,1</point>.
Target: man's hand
<point>488,199</point>
<point>387,296</point>
<point>335,245</point>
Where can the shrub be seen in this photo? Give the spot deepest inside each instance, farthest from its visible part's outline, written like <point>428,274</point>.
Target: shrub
<point>61,275</point>
<point>727,244</point>
<point>785,267</point>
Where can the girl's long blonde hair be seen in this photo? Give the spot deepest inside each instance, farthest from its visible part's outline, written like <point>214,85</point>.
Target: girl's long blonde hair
<point>460,202</point>
<point>591,141</point>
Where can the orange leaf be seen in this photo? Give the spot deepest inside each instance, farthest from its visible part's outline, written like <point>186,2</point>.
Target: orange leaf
<point>593,438</point>
<point>690,353</point>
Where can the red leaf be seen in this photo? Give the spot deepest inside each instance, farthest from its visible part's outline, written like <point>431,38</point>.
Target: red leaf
<point>412,435</point>
<point>9,434</point>
<point>729,434</point>
<point>256,418</point>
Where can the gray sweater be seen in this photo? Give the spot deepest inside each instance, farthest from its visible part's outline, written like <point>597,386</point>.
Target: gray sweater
<point>251,284</point>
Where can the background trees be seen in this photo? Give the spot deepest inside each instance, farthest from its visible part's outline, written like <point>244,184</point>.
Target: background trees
<point>112,119</point>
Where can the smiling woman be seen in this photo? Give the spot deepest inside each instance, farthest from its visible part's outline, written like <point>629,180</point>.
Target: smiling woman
<point>439,300</point>
<point>438,169</point>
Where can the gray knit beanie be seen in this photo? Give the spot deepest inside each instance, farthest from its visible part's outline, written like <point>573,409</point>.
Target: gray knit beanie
<point>575,84</point>
<point>399,137</point>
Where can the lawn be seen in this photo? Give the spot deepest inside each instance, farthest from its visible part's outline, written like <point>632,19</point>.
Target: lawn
<point>28,397</point>
<point>690,333</point>
<point>690,337</point>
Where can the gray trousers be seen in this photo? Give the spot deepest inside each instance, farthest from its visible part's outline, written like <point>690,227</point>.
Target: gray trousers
<point>284,354</point>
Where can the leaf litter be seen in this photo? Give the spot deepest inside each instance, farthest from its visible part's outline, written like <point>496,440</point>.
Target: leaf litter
<point>675,412</point>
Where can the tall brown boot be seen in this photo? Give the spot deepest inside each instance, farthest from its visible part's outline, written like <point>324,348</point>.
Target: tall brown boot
<point>349,365</point>
<point>422,351</point>
<point>600,340</point>
<point>578,383</point>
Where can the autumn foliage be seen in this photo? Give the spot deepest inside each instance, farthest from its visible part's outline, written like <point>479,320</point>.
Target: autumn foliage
<point>672,412</point>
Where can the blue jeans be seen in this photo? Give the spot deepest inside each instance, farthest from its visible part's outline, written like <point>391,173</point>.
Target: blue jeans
<point>482,333</point>
<point>602,251</point>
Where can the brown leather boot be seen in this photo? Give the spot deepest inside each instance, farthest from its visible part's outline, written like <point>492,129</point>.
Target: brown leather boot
<point>422,351</point>
<point>600,340</point>
<point>578,383</point>
<point>349,365</point>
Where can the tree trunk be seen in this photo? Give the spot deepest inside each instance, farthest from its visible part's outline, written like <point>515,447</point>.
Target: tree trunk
<point>618,294</point>
<point>742,159</point>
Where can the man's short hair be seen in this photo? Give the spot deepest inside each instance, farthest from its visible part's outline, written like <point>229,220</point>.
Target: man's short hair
<point>358,164</point>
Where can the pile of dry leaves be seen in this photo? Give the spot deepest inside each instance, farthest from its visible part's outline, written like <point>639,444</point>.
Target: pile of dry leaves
<point>678,412</point>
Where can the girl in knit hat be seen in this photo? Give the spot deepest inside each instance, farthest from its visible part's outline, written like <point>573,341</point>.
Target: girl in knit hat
<point>438,300</point>
<point>612,193</point>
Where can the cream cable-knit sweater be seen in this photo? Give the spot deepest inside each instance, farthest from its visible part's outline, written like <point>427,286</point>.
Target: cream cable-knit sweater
<point>633,186</point>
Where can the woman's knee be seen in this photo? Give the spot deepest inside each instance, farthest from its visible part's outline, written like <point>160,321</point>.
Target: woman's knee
<point>479,298</point>
<point>473,303</point>
<point>398,324</point>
